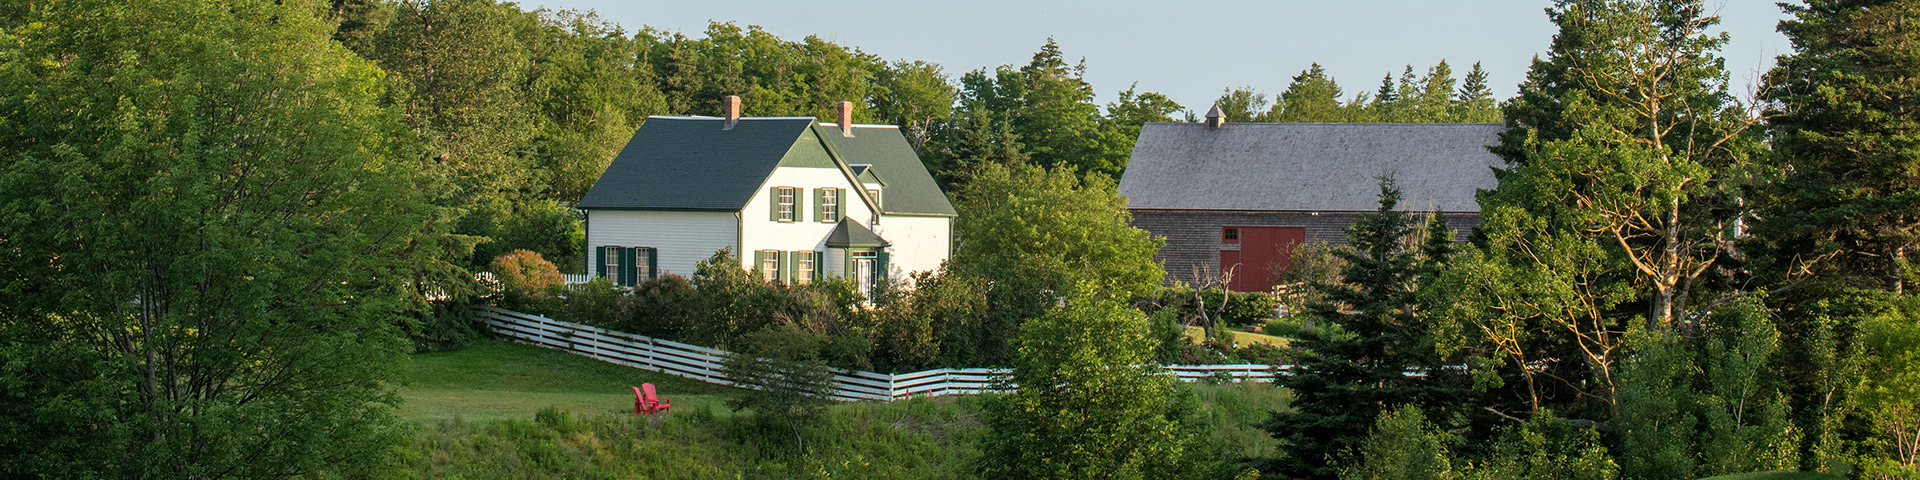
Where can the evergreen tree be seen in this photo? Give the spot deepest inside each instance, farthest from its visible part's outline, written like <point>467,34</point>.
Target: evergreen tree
<point>1386,102</point>
<point>1353,366</point>
<point>1435,103</point>
<point>1475,103</point>
<point>1839,221</point>
<point>1311,97</point>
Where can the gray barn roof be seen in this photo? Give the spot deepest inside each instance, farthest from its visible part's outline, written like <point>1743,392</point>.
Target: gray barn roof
<point>1309,166</point>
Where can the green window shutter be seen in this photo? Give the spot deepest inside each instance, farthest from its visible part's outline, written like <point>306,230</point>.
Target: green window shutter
<point>600,262</point>
<point>819,204</point>
<point>773,204</point>
<point>653,263</point>
<point>759,263</point>
<point>880,265</point>
<point>627,263</point>
<point>819,266</point>
<point>786,267</point>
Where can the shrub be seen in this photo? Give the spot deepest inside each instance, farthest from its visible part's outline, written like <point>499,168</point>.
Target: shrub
<point>530,284</point>
<point>593,303</point>
<point>786,381</point>
<point>665,307</point>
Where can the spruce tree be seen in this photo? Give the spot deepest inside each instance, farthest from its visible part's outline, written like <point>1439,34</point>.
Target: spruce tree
<point>1311,97</point>
<point>1435,104</point>
<point>1839,221</point>
<point>1475,103</point>
<point>1354,365</point>
<point>1386,101</point>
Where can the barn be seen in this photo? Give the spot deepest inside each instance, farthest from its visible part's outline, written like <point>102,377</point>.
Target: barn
<point>1238,197</point>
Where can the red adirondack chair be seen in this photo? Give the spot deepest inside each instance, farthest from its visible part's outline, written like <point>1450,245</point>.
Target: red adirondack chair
<point>644,400</point>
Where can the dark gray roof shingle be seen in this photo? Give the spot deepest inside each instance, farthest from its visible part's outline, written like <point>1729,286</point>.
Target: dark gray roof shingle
<point>691,163</point>
<point>849,233</point>
<point>1309,166</point>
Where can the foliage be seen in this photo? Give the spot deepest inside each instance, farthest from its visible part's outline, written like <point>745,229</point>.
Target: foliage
<point>594,303</point>
<point>1889,392</point>
<point>1835,222</point>
<point>1090,405</point>
<point>528,283</point>
<point>666,307</point>
<point>1186,352</point>
<point>1402,446</point>
<point>444,326</point>
<point>787,382</point>
<point>1034,233</point>
<point>1233,309</point>
<point>212,236</point>
<point>1353,366</point>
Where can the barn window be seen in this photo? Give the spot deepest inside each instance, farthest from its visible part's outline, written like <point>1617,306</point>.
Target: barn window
<point>1230,235</point>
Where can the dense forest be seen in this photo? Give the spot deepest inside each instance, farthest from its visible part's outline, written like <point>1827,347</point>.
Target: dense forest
<point>224,224</point>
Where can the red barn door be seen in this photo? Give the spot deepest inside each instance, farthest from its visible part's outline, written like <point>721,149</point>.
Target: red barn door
<point>1262,251</point>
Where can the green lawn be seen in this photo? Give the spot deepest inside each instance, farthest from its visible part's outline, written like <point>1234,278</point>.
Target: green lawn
<point>1196,334</point>
<point>493,380</point>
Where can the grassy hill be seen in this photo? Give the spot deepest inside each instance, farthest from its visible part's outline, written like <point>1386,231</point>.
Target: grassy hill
<point>492,380</point>
<point>501,410</point>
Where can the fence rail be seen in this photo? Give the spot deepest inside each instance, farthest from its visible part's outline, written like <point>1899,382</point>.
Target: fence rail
<point>704,364</point>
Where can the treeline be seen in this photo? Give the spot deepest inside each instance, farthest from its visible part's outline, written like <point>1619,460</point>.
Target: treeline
<point>1313,96</point>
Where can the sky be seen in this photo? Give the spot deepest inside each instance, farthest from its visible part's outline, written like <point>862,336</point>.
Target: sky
<point>1190,50</point>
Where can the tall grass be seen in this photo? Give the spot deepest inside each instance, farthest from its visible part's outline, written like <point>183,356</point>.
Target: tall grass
<point>926,438</point>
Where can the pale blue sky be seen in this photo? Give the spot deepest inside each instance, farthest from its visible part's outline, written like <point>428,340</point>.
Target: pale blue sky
<point>1188,50</point>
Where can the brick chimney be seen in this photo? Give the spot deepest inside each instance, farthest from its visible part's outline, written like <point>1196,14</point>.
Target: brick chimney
<point>731,106</point>
<point>846,119</point>
<point>1215,118</point>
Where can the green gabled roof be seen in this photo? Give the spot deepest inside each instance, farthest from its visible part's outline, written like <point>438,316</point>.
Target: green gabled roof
<point>907,187</point>
<point>866,174</point>
<point>849,233</point>
<point>693,163</point>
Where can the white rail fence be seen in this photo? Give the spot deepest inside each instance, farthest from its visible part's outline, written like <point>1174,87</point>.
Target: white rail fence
<point>704,364</point>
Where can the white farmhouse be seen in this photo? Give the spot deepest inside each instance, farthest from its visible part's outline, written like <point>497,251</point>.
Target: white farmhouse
<point>797,200</point>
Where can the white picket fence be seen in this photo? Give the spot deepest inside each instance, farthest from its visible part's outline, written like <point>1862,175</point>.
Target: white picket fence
<point>704,364</point>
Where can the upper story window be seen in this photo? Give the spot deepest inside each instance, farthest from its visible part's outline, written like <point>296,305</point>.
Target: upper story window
<point>1230,235</point>
<point>785,204</point>
<point>874,193</point>
<point>829,205</point>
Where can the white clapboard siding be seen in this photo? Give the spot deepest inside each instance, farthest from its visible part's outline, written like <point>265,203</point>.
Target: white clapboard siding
<point>705,364</point>
<point>681,238</point>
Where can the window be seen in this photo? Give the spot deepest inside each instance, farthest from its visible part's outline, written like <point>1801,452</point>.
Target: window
<point>769,265</point>
<point>643,267</point>
<point>802,267</point>
<point>875,195</point>
<point>829,205</point>
<point>610,262</point>
<point>1230,235</point>
<point>786,204</point>
<point>628,266</point>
